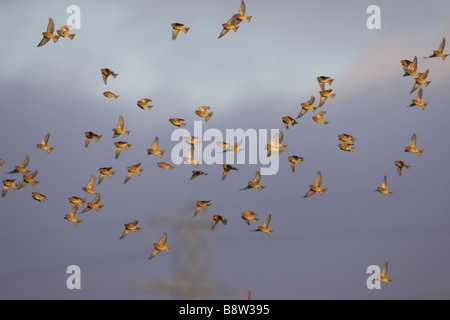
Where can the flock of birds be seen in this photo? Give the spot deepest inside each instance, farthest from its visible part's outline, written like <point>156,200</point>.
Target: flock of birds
<point>346,143</point>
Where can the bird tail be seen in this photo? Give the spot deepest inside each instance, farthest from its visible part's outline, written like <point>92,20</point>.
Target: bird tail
<point>110,174</point>
<point>127,146</point>
<point>114,75</point>
<point>249,18</point>
<point>235,28</point>
<point>261,187</point>
<point>424,105</point>
<point>420,152</point>
<point>322,191</point>
<point>332,95</point>
<point>98,137</point>
<point>161,153</point>
<point>139,171</point>
<point>137,229</point>
<point>186,30</point>
<point>127,132</point>
<point>427,83</point>
<point>183,124</point>
<point>208,116</point>
<point>71,36</point>
<point>34,182</point>
<point>330,81</point>
<point>50,149</point>
<point>55,38</point>
<point>444,56</point>
<point>168,249</point>
<point>313,108</point>
<point>99,207</point>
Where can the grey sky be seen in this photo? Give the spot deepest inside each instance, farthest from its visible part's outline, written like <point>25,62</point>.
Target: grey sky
<point>251,78</point>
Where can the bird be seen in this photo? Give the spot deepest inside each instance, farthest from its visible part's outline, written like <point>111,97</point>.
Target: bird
<point>383,188</point>
<point>133,169</point>
<point>22,167</point>
<point>345,146</point>
<point>192,140</point>
<point>201,205</point>
<point>143,103</point>
<point>77,201</point>
<point>344,137</point>
<point>130,227</point>
<point>265,226</point>
<point>48,34</point>
<point>38,196</point>
<point>233,147</point>
<point>323,80</point>
<point>93,204</point>
<point>43,144</point>
<point>164,165</point>
<point>287,120</point>
<point>119,146</point>
<point>275,144</point>
<point>439,52</point>
<point>406,64</point>
<point>412,69</point>
<point>189,158</point>
<point>226,168</point>
<point>89,188</point>
<point>383,275</point>
<point>293,160</point>
<point>89,135</point>
<point>419,80</point>
<point>418,101</point>
<point>412,147</point>
<point>240,16</point>
<point>319,117</point>
<point>7,184</point>
<point>154,149</point>
<point>29,179</point>
<point>202,112</point>
<point>64,32</point>
<point>176,28</point>
<point>316,186</point>
<point>248,295</point>
<point>109,94</point>
<point>216,219</point>
<point>196,173</point>
<point>255,182</point>
<point>248,216</point>
<point>160,246</point>
<point>227,26</point>
<point>103,172</point>
<point>71,216</point>
<point>1,163</point>
<point>118,130</point>
<point>106,72</point>
<point>307,106</point>
<point>324,94</point>
<point>177,122</point>
<point>399,165</point>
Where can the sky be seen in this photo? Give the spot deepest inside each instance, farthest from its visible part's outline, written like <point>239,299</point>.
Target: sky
<point>251,78</point>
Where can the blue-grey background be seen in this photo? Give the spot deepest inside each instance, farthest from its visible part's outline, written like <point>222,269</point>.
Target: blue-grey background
<point>321,246</point>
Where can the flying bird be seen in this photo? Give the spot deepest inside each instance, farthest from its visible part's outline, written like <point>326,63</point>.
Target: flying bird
<point>216,219</point>
<point>265,226</point>
<point>287,120</point>
<point>192,140</point>
<point>418,101</point>
<point>7,184</point>
<point>323,80</point>
<point>118,130</point>
<point>293,160</point>
<point>383,276</point>
<point>189,158</point>
<point>93,204</point>
<point>48,34</point>
<point>89,135</point>
<point>248,216</point>
<point>399,165</point>
<point>409,68</point>
<point>229,25</point>
<point>130,227</point>
<point>29,179</point>
<point>316,186</point>
<point>160,246</point>
<point>240,16</point>
<point>176,28</point>
<point>89,188</point>
<point>177,122</point>
<point>119,146</point>
<point>324,94</point>
<point>202,112</point>
<point>154,149</point>
<point>143,103</point>
<point>109,94</point>
<point>319,117</point>
<point>106,73</point>
<point>39,197</point>
<point>383,188</point>
<point>413,146</point>
<point>43,145</point>
<point>439,52</point>
<point>164,165</point>
<point>71,216</point>
<point>103,172</point>
<point>22,167</point>
<point>226,168</point>
<point>201,205</point>
<point>345,146</point>
<point>344,137</point>
<point>419,80</point>
<point>255,182</point>
<point>197,173</point>
<point>275,144</point>
<point>64,32</point>
<point>307,106</point>
<point>232,147</point>
<point>133,169</point>
<point>77,201</point>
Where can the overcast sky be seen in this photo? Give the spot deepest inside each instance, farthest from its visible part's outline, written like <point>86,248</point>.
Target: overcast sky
<point>322,245</point>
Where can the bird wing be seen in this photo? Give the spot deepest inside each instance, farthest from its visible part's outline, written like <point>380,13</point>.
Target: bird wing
<point>154,253</point>
<point>163,239</point>
<point>302,113</point>
<point>128,177</point>
<point>311,101</point>
<point>25,162</point>
<point>442,45</point>
<point>257,177</point>
<point>43,41</point>
<point>224,173</point>
<point>419,94</point>
<point>318,180</point>
<point>203,108</point>
<point>155,144</point>
<point>125,233</point>
<point>384,182</point>
<point>50,26</point>
<point>91,182</point>
<point>414,64</point>
<point>45,139</point>
<point>175,33</point>
<point>242,8</point>
<point>384,270</point>
<point>101,176</point>
<point>118,151</point>
<point>309,193</point>
<point>413,141</point>
<point>292,164</point>
<point>267,221</point>
<point>120,123</point>
<point>97,198</point>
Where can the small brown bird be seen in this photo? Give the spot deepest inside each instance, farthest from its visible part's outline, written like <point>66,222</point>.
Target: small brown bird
<point>343,137</point>
<point>248,216</point>
<point>275,144</point>
<point>71,216</point>
<point>109,94</point>
<point>189,158</point>
<point>240,16</point>
<point>307,106</point>
<point>164,165</point>
<point>419,80</point>
<point>133,169</point>
<point>233,147</point>
<point>177,122</point>
<point>103,172</point>
<point>160,246</point>
<point>229,25</point>
<point>64,32</point>
<point>8,183</point>
<point>74,201</point>
<point>439,52</point>
<point>413,146</point>
<point>323,80</point>
<point>346,146</point>
<point>93,204</point>
<point>154,149</point>
<point>316,186</point>
<point>130,227</point>
<point>38,196</point>
<point>118,130</point>
<point>89,188</point>
<point>29,179</point>
<point>21,168</point>
<point>287,120</point>
<point>202,205</point>
<point>411,70</point>
<point>383,188</point>
<point>202,112</point>
<point>143,103</point>
<point>176,28</point>
<point>119,146</point>
<point>43,145</point>
<point>324,94</point>
<point>192,140</point>
<point>48,34</point>
<point>399,165</point>
<point>418,101</point>
<point>89,135</point>
<point>197,173</point>
<point>226,168</point>
<point>216,219</point>
<point>406,64</point>
<point>319,117</point>
<point>265,226</point>
<point>255,182</point>
<point>383,275</point>
<point>106,73</point>
<point>293,160</point>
